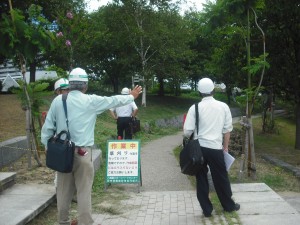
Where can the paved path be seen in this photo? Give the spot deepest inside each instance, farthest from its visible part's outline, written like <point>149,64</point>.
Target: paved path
<point>160,169</point>
<point>167,197</point>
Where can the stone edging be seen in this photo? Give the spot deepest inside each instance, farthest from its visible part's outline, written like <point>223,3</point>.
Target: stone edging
<point>284,165</point>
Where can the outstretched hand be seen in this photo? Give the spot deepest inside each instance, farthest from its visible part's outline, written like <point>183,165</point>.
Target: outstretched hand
<point>136,91</point>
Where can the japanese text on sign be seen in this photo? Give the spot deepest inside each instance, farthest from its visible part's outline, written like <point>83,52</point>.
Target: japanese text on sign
<point>123,161</point>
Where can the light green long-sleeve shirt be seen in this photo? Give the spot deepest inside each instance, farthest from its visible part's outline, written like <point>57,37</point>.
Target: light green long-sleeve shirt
<point>82,114</point>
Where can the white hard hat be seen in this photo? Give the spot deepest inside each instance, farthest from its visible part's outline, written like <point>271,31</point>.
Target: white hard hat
<point>125,91</point>
<point>78,74</point>
<point>206,86</point>
<point>61,83</point>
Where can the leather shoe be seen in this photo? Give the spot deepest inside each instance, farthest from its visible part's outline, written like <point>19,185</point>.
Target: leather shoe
<point>207,214</point>
<point>236,208</point>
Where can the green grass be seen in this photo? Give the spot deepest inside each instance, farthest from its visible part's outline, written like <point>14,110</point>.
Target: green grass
<point>284,137</point>
<point>279,145</point>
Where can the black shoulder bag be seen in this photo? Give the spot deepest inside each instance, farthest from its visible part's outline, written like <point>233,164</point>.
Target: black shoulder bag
<point>60,152</point>
<point>135,125</point>
<point>191,158</point>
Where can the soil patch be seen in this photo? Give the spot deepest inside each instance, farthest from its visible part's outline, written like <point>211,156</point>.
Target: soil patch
<point>13,124</point>
<point>12,117</point>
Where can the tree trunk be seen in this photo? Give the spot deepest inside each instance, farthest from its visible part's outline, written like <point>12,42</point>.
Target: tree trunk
<point>31,136</point>
<point>144,96</point>
<point>252,163</point>
<point>297,54</point>
<point>35,145</point>
<point>228,93</point>
<point>161,91</point>
<point>297,143</point>
<point>177,90</point>
<point>32,69</point>
<point>28,135</point>
<point>115,83</point>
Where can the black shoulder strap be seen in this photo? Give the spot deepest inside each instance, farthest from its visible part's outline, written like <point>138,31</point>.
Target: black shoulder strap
<point>197,116</point>
<point>64,99</point>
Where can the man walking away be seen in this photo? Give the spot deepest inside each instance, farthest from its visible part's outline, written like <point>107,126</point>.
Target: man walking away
<point>124,116</point>
<point>215,125</point>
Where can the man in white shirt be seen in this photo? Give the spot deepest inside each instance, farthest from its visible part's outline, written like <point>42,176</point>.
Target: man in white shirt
<point>124,115</point>
<point>215,122</point>
<point>82,113</point>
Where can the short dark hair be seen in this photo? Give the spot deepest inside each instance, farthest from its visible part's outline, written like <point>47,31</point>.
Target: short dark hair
<point>207,94</point>
<point>77,85</point>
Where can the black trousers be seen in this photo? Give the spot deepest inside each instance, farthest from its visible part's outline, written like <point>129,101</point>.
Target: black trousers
<point>215,160</point>
<point>123,125</point>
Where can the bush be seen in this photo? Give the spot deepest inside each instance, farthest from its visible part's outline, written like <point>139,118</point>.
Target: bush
<point>97,87</point>
<point>51,83</point>
<point>221,96</point>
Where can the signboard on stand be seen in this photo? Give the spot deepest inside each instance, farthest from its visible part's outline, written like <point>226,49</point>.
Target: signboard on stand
<point>123,163</point>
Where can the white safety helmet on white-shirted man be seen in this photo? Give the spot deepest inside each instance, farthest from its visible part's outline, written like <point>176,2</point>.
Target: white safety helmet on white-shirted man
<point>78,74</point>
<point>206,86</point>
<point>125,91</point>
<point>61,83</point>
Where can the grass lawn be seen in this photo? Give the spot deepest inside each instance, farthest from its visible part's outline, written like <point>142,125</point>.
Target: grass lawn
<point>280,145</point>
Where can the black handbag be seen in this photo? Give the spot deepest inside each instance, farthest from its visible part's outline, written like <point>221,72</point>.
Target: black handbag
<point>191,158</point>
<point>60,149</point>
<point>135,125</point>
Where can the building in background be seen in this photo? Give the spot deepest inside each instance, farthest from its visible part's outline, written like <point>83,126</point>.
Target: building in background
<point>9,75</point>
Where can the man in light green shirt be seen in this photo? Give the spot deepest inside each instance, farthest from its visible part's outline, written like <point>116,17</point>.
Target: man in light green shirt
<point>82,113</point>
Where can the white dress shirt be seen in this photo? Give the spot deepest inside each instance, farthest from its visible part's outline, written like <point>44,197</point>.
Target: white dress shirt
<point>126,110</point>
<point>214,120</point>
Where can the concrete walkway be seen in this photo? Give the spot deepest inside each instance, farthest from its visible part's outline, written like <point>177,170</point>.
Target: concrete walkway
<point>20,203</point>
<point>167,197</point>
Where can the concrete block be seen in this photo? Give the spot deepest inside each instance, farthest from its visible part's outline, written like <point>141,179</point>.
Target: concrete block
<point>7,179</point>
<point>12,149</point>
<point>97,158</point>
<point>22,202</point>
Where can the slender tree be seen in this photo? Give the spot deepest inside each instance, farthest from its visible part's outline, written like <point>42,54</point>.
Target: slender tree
<point>233,22</point>
<point>23,40</point>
